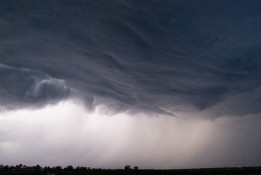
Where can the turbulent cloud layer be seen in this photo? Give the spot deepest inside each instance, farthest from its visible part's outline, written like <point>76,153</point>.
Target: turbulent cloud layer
<point>24,87</point>
<point>159,56</point>
<point>97,83</point>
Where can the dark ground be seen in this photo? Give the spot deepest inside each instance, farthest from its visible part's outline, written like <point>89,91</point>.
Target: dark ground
<point>82,171</point>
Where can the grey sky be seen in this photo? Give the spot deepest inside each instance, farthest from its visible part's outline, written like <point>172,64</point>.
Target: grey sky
<point>197,60</point>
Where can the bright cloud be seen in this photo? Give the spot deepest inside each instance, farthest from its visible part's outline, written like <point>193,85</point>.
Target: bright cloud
<point>67,133</point>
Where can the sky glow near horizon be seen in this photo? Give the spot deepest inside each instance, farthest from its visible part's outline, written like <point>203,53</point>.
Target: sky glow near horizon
<point>68,134</point>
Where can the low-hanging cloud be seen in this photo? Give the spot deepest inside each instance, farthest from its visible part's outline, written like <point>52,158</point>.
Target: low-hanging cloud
<point>153,56</point>
<point>23,87</point>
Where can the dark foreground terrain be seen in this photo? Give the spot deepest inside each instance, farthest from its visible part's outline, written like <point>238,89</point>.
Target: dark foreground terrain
<point>35,170</point>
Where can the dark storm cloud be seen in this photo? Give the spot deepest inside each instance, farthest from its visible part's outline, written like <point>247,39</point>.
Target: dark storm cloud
<point>20,87</point>
<point>148,55</point>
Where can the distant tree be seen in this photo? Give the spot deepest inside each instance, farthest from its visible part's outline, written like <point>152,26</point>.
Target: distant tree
<point>58,168</point>
<point>46,169</point>
<point>80,168</point>
<point>127,168</point>
<point>6,168</point>
<point>136,168</point>
<point>69,168</point>
<point>38,169</point>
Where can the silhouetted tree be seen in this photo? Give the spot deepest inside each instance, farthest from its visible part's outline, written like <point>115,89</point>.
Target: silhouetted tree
<point>81,168</point>
<point>58,168</point>
<point>46,169</point>
<point>6,168</point>
<point>38,169</point>
<point>69,168</point>
<point>127,168</point>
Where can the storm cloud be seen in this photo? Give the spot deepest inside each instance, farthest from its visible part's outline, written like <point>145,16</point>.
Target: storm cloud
<point>146,55</point>
<point>24,87</point>
<point>178,78</point>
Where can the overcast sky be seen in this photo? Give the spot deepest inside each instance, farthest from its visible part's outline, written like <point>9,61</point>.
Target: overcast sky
<point>157,84</point>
